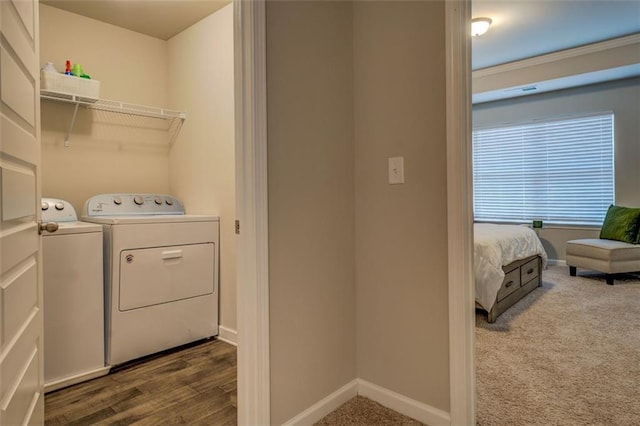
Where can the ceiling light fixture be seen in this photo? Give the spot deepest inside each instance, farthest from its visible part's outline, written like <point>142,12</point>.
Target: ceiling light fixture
<point>480,26</point>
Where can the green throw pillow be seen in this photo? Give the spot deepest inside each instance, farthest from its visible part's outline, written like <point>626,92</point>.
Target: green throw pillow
<point>621,224</point>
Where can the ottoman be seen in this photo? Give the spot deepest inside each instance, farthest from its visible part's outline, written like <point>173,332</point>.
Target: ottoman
<point>608,256</point>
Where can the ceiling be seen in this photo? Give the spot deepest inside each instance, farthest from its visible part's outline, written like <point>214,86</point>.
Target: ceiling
<point>521,28</point>
<point>162,19</point>
<point>528,28</point>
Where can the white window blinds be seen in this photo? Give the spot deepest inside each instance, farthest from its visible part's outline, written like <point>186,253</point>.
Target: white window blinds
<point>560,171</point>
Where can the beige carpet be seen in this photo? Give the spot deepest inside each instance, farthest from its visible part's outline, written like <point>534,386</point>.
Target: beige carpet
<point>567,354</point>
<point>363,411</point>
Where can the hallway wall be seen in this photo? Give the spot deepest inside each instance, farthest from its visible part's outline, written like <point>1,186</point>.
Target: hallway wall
<point>311,202</point>
<point>401,232</point>
<point>357,268</point>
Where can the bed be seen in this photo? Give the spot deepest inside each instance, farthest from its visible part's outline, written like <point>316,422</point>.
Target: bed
<point>508,264</point>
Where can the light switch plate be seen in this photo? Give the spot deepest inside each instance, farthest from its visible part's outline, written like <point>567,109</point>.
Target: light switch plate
<point>396,170</point>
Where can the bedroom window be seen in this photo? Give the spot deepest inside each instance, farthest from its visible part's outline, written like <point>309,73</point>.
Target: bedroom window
<point>560,171</point>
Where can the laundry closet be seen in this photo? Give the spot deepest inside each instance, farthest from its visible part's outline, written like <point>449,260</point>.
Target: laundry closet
<point>114,152</point>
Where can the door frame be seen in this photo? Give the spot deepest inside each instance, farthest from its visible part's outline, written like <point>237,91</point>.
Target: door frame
<point>460,213</point>
<point>252,210</point>
<point>252,276</point>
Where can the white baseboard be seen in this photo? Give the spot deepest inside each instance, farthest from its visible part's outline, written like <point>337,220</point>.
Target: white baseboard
<point>403,405</point>
<point>78,378</point>
<point>228,335</point>
<point>556,262</point>
<point>325,405</point>
<point>395,401</point>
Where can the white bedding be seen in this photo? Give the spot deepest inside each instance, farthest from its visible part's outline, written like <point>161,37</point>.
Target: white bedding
<point>496,246</point>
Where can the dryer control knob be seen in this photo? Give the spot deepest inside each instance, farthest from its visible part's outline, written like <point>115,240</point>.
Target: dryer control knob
<point>45,205</point>
<point>117,201</point>
<point>158,200</point>
<point>59,206</point>
<point>169,201</point>
<point>138,200</point>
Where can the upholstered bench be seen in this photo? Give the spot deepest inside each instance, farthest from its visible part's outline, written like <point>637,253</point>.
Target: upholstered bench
<point>608,256</point>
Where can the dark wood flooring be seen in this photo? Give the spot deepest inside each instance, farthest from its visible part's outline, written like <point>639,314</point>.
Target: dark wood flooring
<point>195,385</point>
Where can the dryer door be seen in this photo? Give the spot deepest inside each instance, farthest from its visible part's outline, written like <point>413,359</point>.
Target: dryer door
<point>152,276</point>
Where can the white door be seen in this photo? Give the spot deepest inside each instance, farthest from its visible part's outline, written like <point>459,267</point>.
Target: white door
<point>21,326</point>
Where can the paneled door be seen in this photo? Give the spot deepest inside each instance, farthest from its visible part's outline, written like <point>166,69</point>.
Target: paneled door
<point>21,326</point>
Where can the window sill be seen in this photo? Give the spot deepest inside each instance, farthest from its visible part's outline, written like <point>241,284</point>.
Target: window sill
<point>549,226</point>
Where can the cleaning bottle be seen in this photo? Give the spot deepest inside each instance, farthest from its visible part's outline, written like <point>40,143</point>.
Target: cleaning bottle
<point>76,70</point>
<point>49,67</point>
<point>67,70</point>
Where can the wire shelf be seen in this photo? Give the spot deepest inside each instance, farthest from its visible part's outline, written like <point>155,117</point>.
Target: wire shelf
<point>115,106</point>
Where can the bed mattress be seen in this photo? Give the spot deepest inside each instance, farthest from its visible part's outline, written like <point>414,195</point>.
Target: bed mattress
<point>496,246</point>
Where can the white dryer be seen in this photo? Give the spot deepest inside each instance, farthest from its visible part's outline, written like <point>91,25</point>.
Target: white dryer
<point>161,273</point>
<point>73,298</point>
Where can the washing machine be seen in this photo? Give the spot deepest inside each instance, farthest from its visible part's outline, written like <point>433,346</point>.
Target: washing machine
<point>161,273</point>
<point>73,298</point>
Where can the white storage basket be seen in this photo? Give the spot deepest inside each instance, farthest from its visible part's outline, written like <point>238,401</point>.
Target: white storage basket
<point>71,85</point>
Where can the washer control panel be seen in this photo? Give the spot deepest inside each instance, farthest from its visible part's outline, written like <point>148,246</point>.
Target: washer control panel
<point>56,210</point>
<point>132,205</point>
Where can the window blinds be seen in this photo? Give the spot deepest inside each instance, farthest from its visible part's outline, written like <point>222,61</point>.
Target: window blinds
<point>560,171</point>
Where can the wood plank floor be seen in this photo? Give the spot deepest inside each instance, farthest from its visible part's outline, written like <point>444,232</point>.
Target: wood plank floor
<point>195,385</point>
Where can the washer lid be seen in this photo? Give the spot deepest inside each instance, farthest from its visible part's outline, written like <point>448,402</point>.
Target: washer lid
<point>122,220</point>
<point>57,210</point>
<point>65,228</point>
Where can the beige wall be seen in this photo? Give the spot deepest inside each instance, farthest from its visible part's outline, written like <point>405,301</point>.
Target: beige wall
<point>554,238</point>
<point>311,202</point>
<point>109,152</point>
<point>622,97</point>
<point>201,160</point>
<point>401,235</point>
<point>502,77</point>
<point>352,259</point>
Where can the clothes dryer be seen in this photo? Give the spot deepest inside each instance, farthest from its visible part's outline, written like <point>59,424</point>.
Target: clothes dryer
<point>161,273</point>
<point>73,298</point>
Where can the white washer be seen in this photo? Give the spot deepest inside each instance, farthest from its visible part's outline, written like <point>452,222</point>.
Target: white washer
<point>73,298</point>
<point>161,273</point>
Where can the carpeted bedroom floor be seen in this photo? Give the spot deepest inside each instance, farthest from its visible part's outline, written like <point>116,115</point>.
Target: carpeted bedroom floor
<point>567,354</point>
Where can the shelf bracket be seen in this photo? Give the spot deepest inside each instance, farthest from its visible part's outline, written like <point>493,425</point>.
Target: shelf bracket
<point>73,121</point>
